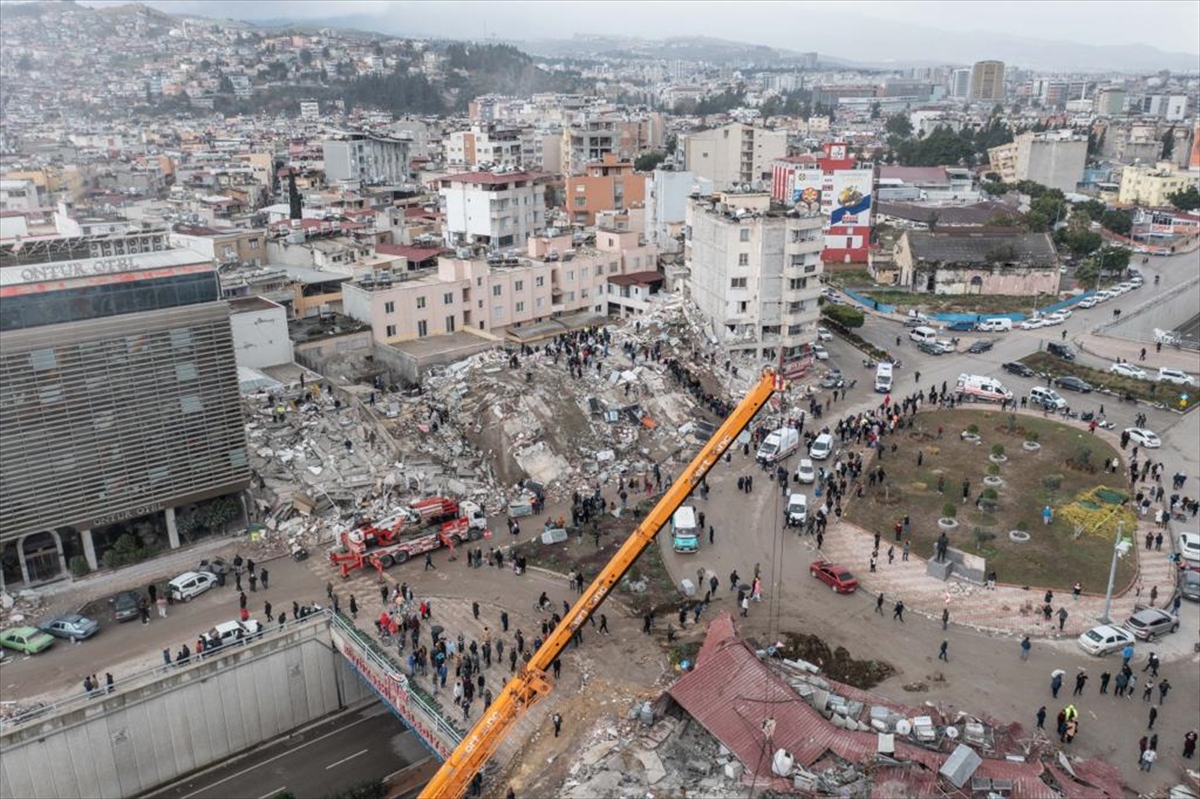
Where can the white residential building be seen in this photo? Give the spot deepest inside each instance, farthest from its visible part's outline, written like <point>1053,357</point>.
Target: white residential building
<point>367,159</point>
<point>667,194</point>
<point>493,209</point>
<point>734,155</point>
<point>755,274</point>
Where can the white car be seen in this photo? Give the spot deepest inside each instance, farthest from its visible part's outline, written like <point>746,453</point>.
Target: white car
<point>233,632</point>
<point>191,584</point>
<point>805,472</point>
<point>1104,639</point>
<point>1143,437</point>
<point>1176,376</point>
<point>824,335</point>
<point>1053,319</point>
<point>1107,294</point>
<point>945,346</point>
<point>1033,324</point>
<point>1088,302</point>
<point>1189,546</point>
<point>820,352</point>
<point>1127,370</point>
<point>1137,281</point>
<point>1127,286</point>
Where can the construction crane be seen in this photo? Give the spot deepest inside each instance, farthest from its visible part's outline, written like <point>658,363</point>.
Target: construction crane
<point>531,684</point>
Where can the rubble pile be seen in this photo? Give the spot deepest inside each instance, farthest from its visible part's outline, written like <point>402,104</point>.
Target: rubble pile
<point>671,757</point>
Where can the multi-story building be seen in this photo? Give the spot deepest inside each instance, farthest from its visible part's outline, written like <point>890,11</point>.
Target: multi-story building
<point>755,273</point>
<point>484,145</point>
<point>494,209</point>
<point>987,81</point>
<point>310,110</point>
<point>588,142</point>
<point>734,155</point>
<point>18,195</point>
<point>556,275</point>
<point>1055,159</point>
<point>1171,107</point>
<point>837,186</point>
<point>367,159</point>
<point>960,83</point>
<point>667,194</point>
<point>1110,101</point>
<point>120,396</point>
<point>1152,185</point>
<point>223,245</point>
<point>609,185</point>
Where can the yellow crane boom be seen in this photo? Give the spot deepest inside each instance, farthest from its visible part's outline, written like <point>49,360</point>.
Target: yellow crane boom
<point>530,683</point>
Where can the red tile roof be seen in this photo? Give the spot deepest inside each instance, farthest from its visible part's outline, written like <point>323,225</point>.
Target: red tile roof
<point>414,254</point>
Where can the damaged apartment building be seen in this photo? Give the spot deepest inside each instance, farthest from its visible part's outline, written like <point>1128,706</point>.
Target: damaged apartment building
<point>754,272</point>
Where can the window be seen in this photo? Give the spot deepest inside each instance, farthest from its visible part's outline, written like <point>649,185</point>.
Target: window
<point>497,311</point>
<point>579,189</point>
<point>496,290</point>
<point>186,370</point>
<point>539,281</point>
<point>420,302</point>
<point>520,307</point>
<point>449,324</point>
<point>737,283</point>
<point>422,328</point>
<point>43,360</point>
<point>742,306</point>
<point>254,243</point>
<point>743,259</point>
<point>478,282</point>
<point>571,275</point>
<point>539,301</point>
<point>797,260</point>
<point>583,294</point>
<point>797,283</point>
<point>389,307</point>
<point>745,234</point>
<point>570,296</point>
<point>390,331</point>
<point>448,298</point>
<point>519,285</point>
<point>581,202</point>
<point>598,271</point>
<point>795,330</point>
<point>191,404</point>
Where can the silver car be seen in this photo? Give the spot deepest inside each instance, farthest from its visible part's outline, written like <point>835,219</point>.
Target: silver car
<point>72,626</point>
<point>1150,623</point>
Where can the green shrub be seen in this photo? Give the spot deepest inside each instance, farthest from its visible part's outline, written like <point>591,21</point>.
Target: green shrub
<point>844,315</point>
<point>126,551</point>
<point>983,536</point>
<point>1023,526</point>
<point>1083,456</point>
<point>993,469</point>
<point>949,510</point>
<point>79,566</point>
<point>973,429</point>
<point>1052,482</point>
<point>989,493</point>
<point>998,450</point>
<point>1031,435</point>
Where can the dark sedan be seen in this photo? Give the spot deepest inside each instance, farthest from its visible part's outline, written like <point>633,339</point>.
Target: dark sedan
<point>1018,368</point>
<point>1073,383</point>
<point>125,606</point>
<point>983,345</point>
<point>930,348</point>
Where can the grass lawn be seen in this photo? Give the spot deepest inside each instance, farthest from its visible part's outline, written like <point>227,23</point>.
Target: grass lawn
<point>1148,390</point>
<point>967,303</point>
<point>1053,557</point>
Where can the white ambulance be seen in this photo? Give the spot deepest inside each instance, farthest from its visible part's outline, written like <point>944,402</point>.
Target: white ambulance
<point>979,388</point>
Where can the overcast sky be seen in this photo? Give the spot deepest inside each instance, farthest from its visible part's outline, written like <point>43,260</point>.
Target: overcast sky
<point>1171,25</point>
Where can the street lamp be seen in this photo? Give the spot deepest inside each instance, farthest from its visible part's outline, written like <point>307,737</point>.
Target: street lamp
<point>1118,550</point>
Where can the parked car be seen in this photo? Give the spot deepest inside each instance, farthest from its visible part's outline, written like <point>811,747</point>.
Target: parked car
<point>1017,368</point>
<point>1127,370</point>
<point>1189,546</point>
<point>1104,639</point>
<point>977,347</point>
<point>961,327</point>
<point>805,472</point>
<point>832,381</point>
<point>1073,383</point>
<point>945,346</point>
<point>125,606</point>
<point>232,632</point>
<point>824,335</point>
<point>1060,350</point>
<point>838,578</point>
<point>1149,623</point>
<point>189,585</point>
<point>1088,302</point>
<point>1143,438</point>
<point>930,348</point>
<point>1189,584</point>
<point>1176,376</point>
<point>1053,319</point>
<point>820,352</point>
<point>29,640</point>
<point>1033,324</point>
<point>72,626</point>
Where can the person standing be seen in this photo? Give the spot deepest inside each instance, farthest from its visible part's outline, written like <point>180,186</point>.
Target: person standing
<point>1153,717</point>
<point>253,581</point>
<point>108,681</point>
<point>267,611</point>
<point>945,618</point>
<point>1041,718</point>
<point>1104,678</point>
<point>263,576</point>
<point>942,651</point>
<point>1055,685</point>
<point>745,606</point>
<point>1148,758</point>
<point>898,610</point>
<point>1062,618</point>
<point>1189,744</point>
<point>556,719</point>
<point>604,624</point>
<point>353,607</point>
<point>161,603</point>
<point>879,604</point>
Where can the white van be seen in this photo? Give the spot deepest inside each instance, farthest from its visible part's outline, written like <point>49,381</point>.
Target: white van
<point>797,510</point>
<point>922,334</point>
<point>684,535</point>
<point>1046,398</point>
<point>1002,325</point>
<point>883,378</point>
<point>778,445</point>
<point>190,584</point>
<point>821,447</point>
<point>979,388</point>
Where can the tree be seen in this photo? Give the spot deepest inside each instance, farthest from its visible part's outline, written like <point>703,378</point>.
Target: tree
<point>1094,209</point>
<point>876,110</point>
<point>295,205</point>
<point>306,57</point>
<point>898,125</point>
<point>849,318</point>
<point>1168,143</point>
<point>1116,221</point>
<point>1081,242</point>
<point>1186,199</point>
<point>648,162</point>
<point>1112,260</point>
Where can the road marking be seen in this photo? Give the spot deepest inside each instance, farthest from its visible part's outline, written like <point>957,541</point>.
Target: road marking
<point>285,753</point>
<point>275,792</point>
<point>344,759</point>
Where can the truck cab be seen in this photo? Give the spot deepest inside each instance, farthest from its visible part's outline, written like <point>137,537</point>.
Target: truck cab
<point>685,536</point>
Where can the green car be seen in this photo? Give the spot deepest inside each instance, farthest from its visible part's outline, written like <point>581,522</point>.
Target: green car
<point>29,640</point>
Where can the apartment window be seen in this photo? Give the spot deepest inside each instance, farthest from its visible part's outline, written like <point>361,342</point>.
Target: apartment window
<point>519,285</point>
<point>497,311</point>
<point>539,301</point>
<point>579,189</point>
<point>254,243</point>
<point>448,298</point>
<point>797,260</point>
<point>479,282</point>
<point>390,331</point>
<point>539,281</point>
<point>581,202</point>
<point>389,307</point>
<point>422,328</point>
<point>599,270</point>
<point>797,283</point>
<point>496,290</point>
<point>743,259</point>
<point>796,236</point>
<point>571,275</point>
<point>742,306</point>
<point>583,294</point>
<point>449,324</point>
<point>613,266</point>
<point>420,302</point>
<point>795,330</point>
<point>737,283</point>
<point>570,296</point>
<point>745,234</point>
<point>520,307</point>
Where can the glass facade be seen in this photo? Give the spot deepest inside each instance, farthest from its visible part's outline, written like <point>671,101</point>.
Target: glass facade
<point>113,299</point>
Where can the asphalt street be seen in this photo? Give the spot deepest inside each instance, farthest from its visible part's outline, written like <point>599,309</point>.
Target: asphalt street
<point>362,745</point>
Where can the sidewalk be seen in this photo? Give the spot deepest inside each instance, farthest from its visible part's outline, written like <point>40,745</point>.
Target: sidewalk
<point>1112,347</point>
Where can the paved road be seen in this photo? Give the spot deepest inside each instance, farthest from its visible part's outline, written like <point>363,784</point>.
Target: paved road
<point>359,746</point>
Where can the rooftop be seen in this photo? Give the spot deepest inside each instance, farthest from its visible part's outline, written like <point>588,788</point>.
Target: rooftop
<point>981,246</point>
<point>493,178</point>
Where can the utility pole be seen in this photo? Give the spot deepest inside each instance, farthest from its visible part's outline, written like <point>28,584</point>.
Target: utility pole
<point>1112,574</point>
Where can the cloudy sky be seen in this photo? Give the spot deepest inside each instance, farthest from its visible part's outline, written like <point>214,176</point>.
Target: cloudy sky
<point>891,29</point>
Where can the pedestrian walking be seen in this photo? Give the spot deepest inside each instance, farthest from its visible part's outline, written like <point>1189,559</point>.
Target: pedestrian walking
<point>1189,744</point>
<point>879,604</point>
<point>604,624</point>
<point>1080,681</point>
<point>945,618</point>
<point>475,610</point>
<point>1041,718</point>
<point>429,562</point>
<point>144,609</point>
<point>898,610</point>
<point>557,721</point>
<point>353,607</point>
<point>504,621</point>
<point>383,593</point>
<point>745,606</point>
<point>942,651</point>
<point>1055,684</point>
<point>1148,690</point>
<point>1062,618</point>
<point>1026,645</point>
<point>267,611</point>
<point>1148,758</point>
<point>1163,688</point>
<point>161,604</point>
<point>241,599</point>
<point>1153,717</point>
<point>263,575</point>
<point>733,580</point>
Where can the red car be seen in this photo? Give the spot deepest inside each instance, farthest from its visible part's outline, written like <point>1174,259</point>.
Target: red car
<point>838,578</point>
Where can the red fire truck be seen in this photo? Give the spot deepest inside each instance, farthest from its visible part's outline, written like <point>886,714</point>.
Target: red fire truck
<point>419,528</point>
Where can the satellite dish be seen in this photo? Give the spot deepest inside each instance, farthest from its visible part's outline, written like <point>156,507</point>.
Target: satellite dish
<point>952,733</point>
<point>903,727</point>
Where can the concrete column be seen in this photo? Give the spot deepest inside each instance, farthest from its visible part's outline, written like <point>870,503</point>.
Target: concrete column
<point>89,549</point>
<point>21,559</point>
<point>62,558</point>
<point>172,530</point>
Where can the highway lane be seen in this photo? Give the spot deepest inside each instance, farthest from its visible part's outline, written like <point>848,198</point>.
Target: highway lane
<point>358,746</point>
